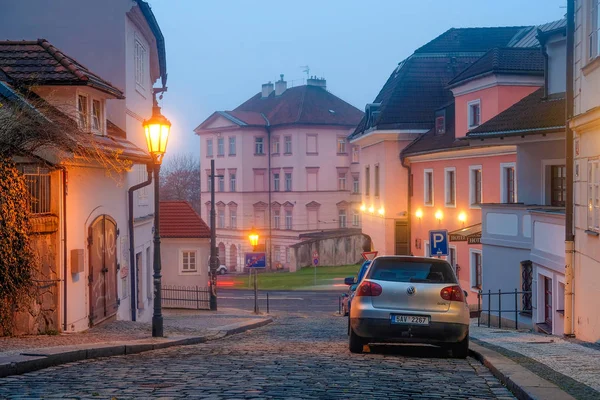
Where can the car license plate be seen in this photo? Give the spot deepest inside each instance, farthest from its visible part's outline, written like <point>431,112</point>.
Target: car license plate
<point>410,319</point>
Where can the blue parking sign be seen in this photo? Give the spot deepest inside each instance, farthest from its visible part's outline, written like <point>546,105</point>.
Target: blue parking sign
<point>438,242</point>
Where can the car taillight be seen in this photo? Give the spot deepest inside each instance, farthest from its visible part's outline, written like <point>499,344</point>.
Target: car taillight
<point>369,289</point>
<point>452,293</point>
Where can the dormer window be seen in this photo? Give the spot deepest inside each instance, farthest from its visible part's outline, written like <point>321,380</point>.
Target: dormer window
<point>96,115</point>
<point>83,111</point>
<point>440,122</point>
<point>372,111</point>
<point>474,113</point>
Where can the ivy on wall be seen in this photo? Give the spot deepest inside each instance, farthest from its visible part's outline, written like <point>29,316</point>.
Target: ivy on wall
<point>17,258</point>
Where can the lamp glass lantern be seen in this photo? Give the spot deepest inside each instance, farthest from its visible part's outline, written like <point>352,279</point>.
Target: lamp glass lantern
<point>157,130</point>
<point>253,237</point>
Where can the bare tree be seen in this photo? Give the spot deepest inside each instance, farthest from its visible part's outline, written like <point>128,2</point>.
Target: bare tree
<point>180,179</point>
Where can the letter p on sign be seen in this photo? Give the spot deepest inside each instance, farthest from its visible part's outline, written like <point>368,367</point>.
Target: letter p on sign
<point>439,242</point>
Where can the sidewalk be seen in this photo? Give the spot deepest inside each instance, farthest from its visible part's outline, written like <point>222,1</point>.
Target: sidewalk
<point>181,327</point>
<point>571,365</point>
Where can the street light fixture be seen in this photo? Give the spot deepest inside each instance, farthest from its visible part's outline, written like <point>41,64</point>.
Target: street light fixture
<point>157,130</point>
<point>253,237</point>
<point>439,215</point>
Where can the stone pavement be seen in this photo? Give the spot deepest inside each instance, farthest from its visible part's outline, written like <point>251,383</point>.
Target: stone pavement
<point>571,365</point>
<point>300,355</point>
<point>176,323</point>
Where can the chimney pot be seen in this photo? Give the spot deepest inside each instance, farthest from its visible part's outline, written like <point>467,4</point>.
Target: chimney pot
<point>267,89</point>
<point>319,82</point>
<point>280,86</point>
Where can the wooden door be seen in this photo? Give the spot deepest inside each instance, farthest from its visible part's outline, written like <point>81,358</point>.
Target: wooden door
<point>102,278</point>
<point>401,238</point>
<point>548,301</point>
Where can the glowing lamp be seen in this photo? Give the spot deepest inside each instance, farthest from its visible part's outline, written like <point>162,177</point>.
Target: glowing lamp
<point>381,211</point>
<point>371,209</point>
<point>363,208</point>
<point>419,213</point>
<point>157,130</point>
<point>439,215</point>
<point>462,217</point>
<point>253,238</point>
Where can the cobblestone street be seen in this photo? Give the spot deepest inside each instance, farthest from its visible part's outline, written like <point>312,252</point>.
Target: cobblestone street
<point>297,356</point>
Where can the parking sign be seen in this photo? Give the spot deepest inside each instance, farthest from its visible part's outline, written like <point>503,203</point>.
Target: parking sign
<point>438,242</point>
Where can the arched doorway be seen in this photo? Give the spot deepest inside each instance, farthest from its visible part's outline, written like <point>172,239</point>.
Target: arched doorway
<point>102,244</point>
<point>222,254</point>
<point>233,257</point>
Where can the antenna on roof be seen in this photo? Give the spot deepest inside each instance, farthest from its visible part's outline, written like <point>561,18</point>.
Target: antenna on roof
<point>306,69</point>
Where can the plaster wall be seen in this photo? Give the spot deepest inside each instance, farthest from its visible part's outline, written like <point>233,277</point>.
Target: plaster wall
<point>172,259</point>
<point>533,164</point>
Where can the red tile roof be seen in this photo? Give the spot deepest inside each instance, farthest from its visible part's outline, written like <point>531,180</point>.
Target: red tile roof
<point>38,62</point>
<point>301,105</point>
<point>179,220</point>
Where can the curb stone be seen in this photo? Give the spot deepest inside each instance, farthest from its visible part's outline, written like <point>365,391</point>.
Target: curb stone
<point>35,359</point>
<point>524,384</point>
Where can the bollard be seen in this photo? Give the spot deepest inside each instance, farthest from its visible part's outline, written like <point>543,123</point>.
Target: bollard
<point>516,311</point>
<point>489,308</point>
<point>479,308</point>
<point>267,302</point>
<point>340,305</point>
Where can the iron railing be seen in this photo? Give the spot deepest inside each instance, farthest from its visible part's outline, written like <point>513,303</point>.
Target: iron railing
<point>499,310</point>
<point>192,297</point>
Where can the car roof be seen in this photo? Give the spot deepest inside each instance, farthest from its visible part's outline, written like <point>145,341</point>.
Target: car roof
<point>411,258</point>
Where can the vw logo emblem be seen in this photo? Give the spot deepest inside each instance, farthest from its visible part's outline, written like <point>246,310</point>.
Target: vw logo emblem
<point>411,290</point>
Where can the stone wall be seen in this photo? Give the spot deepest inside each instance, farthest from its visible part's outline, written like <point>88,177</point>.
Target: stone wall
<point>334,248</point>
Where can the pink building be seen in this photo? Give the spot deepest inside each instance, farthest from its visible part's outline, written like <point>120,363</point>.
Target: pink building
<point>286,169</point>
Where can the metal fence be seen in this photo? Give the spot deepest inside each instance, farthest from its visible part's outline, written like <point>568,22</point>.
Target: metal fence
<point>511,311</point>
<point>192,297</point>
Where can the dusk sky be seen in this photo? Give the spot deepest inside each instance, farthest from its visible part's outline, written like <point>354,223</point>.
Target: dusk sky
<point>220,52</point>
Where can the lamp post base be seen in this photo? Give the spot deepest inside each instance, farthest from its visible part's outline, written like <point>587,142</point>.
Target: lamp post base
<point>157,326</point>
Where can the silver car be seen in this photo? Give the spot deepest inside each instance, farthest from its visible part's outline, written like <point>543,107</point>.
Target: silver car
<point>410,300</point>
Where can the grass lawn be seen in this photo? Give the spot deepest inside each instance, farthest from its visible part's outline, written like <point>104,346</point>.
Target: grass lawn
<point>298,280</point>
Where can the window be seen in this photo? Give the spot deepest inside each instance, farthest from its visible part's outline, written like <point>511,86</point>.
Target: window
<point>440,125</point>
<point>259,148</point>
<point>475,192</point>
<point>232,218</point>
<point>220,146</point>
<point>428,187</point>
<point>275,140</point>
<point>221,184</point>
<point>142,192</point>
<point>140,64</point>
<point>593,43</point>
<point>594,195</point>
<point>558,185</point>
<point>232,182</point>
<point>377,180</point>
<point>356,219</point>
<point>452,258</point>
<point>209,148</point>
<point>38,185</point>
<point>96,115</point>
<point>288,219</point>
<point>355,185</point>
<point>355,154</point>
<point>188,261</point>
<point>288,182</point>
<point>276,215</point>
<point>232,149</point>
<point>287,145</point>
<point>450,183</point>
<point>474,113</point>
<point>508,181</point>
<point>221,219</point>
<point>367,180</point>
<point>341,146</point>
<point>342,181</point>
<point>276,182</point>
<point>209,182</point>
<point>83,112</point>
<point>311,144</point>
<point>277,253</point>
<point>342,218</point>
<point>476,269</point>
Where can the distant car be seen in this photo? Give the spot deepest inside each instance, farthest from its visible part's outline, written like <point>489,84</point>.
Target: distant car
<point>352,285</point>
<point>346,299</point>
<point>222,270</point>
<point>410,300</point>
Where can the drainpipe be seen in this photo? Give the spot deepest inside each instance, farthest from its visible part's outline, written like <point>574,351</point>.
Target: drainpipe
<point>542,41</point>
<point>132,241</point>
<point>65,264</point>
<point>268,128</point>
<point>569,233</point>
<point>408,207</point>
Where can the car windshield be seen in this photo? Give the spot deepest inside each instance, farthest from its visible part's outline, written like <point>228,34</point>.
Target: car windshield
<point>363,270</point>
<point>397,270</point>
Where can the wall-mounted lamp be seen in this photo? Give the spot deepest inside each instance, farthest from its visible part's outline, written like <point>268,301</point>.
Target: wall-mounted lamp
<point>462,217</point>
<point>419,213</point>
<point>371,209</point>
<point>363,208</point>
<point>381,211</point>
<point>439,215</point>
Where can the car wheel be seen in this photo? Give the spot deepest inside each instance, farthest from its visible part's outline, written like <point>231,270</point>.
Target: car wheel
<point>461,349</point>
<point>355,342</point>
<point>222,272</point>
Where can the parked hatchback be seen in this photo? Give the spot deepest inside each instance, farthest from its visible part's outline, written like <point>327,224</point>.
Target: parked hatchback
<point>410,300</point>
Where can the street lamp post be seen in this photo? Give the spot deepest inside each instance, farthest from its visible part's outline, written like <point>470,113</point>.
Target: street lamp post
<point>213,263</point>
<point>157,130</point>
<point>253,237</point>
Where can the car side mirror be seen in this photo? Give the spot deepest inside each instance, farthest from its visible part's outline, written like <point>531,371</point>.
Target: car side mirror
<point>353,287</point>
<point>466,294</point>
<point>349,281</point>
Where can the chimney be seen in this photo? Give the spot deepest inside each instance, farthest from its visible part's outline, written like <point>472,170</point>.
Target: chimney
<point>319,82</point>
<point>280,86</point>
<point>267,89</point>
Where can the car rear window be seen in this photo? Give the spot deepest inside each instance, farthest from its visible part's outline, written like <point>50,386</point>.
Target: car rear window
<point>412,271</point>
